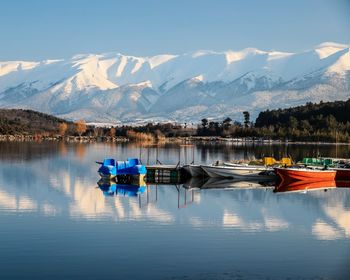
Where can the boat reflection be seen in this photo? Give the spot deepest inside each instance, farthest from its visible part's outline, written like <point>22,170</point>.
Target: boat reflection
<point>225,183</point>
<point>195,182</point>
<point>112,188</point>
<point>342,183</point>
<point>302,186</point>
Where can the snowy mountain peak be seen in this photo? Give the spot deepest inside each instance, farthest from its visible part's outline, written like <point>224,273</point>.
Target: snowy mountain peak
<point>187,86</point>
<point>328,48</point>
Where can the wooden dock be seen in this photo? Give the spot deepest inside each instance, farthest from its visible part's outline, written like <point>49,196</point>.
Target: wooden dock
<point>164,173</point>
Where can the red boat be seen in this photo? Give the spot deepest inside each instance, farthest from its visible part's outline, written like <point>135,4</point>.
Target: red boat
<point>306,174</point>
<point>342,173</point>
<point>299,186</point>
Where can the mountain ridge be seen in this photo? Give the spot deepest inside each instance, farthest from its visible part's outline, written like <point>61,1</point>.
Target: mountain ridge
<point>116,87</point>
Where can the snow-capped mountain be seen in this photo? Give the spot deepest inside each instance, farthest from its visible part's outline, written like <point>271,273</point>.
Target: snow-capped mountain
<point>113,87</point>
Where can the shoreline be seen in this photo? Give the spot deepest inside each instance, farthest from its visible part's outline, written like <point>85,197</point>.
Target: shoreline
<point>190,139</point>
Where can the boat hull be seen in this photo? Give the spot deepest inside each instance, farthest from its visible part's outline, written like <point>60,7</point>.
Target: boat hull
<point>187,169</point>
<point>196,171</point>
<point>238,172</point>
<point>306,174</point>
<point>342,173</point>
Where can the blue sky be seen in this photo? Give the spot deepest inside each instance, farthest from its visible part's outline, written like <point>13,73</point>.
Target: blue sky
<point>40,29</point>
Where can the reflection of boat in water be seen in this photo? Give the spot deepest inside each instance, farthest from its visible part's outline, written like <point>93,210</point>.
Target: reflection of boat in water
<point>111,188</point>
<point>342,183</point>
<point>195,182</point>
<point>243,172</point>
<point>302,186</point>
<point>194,170</point>
<point>305,174</point>
<point>224,183</point>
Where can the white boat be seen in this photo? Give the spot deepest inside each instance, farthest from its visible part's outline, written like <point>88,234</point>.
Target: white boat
<point>195,170</point>
<point>251,172</point>
<point>235,164</point>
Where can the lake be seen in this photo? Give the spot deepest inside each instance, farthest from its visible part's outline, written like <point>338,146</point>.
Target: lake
<point>56,223</point>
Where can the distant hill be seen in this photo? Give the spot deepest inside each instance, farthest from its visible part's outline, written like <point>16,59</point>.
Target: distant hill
<point>18,121</point>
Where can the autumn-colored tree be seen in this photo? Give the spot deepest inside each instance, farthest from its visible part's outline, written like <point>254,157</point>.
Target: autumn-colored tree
<point>80,127</point>
<point>62,128</point>
<point>159,136</point>
<point>139,136</point>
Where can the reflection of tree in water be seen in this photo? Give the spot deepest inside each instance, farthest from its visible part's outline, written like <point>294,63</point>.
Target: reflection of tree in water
<point>169,153</point>
<point>15,151</point>
<point>230,151</point>
<point>80,150</point>
<point>63,149</point>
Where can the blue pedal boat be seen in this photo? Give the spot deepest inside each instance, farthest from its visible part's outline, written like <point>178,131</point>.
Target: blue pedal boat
<point>111,168</point>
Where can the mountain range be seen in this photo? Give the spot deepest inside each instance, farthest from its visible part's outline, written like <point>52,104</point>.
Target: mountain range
<point>112,87</point>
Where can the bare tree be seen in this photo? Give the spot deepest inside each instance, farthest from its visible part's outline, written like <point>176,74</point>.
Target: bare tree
<point>96,131</point>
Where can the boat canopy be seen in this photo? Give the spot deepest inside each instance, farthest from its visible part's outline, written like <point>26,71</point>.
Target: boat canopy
<point>317,161</point>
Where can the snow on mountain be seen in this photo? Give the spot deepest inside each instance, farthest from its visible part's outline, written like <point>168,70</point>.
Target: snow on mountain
<point>115,87</point>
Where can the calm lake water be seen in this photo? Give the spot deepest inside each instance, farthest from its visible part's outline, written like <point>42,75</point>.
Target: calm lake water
<point>57,224</point>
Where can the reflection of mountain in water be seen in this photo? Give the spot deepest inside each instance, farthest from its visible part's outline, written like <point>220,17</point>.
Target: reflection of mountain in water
<point>65,185</point>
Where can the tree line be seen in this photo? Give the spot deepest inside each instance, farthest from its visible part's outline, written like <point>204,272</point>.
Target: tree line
<point>324,121</point>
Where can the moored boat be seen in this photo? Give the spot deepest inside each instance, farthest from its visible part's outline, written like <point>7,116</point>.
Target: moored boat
<point>194,170</point>
<point>111,168</point>
<point>239,172</point>
<point>317,162</point>
<point>343,172</point>
<point>266,161</point>
<point>341,165</point>
<point>306,174</point>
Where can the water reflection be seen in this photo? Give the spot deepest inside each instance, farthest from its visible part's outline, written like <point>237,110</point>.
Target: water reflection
<point>303,186</point>
<point>225,183</point>
<point>110,188</point>
<point>248,209</point>
<point>61,182</point>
